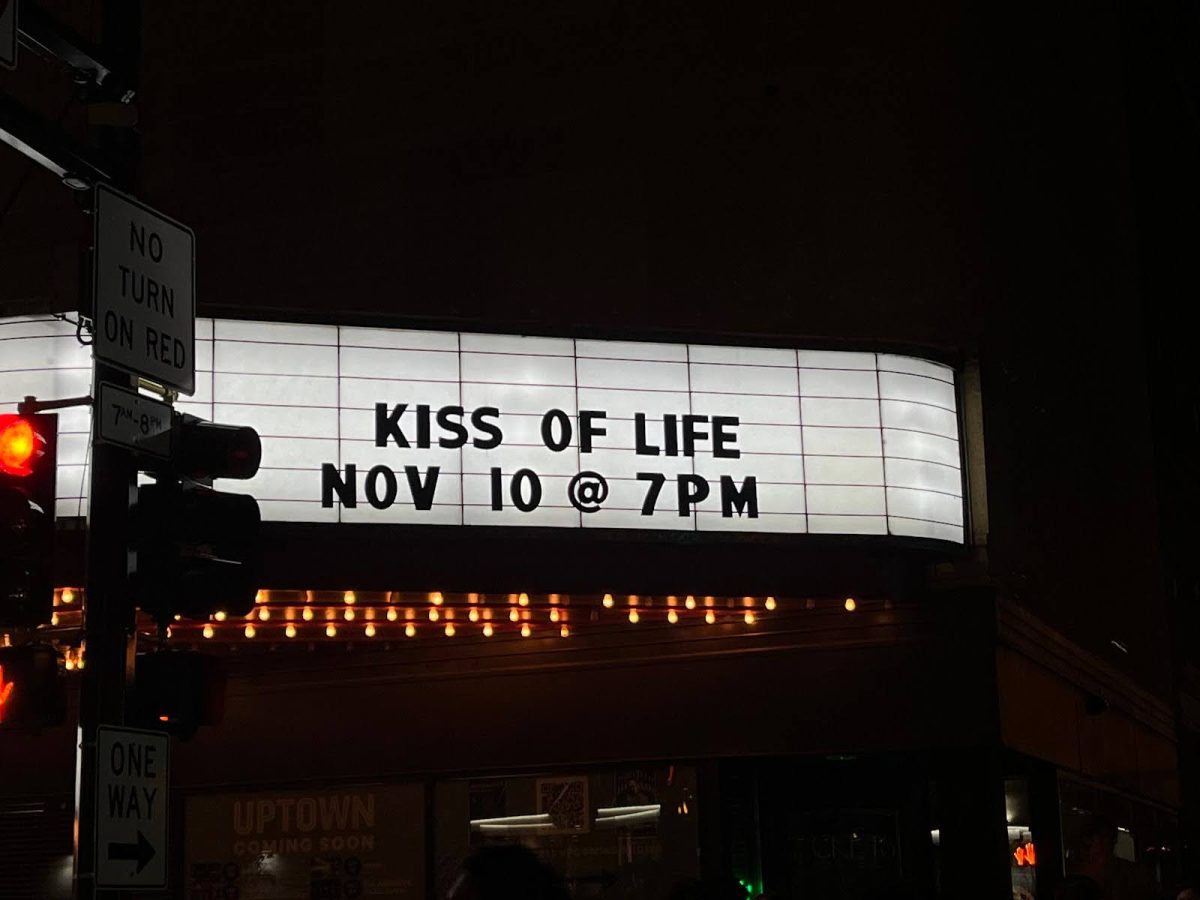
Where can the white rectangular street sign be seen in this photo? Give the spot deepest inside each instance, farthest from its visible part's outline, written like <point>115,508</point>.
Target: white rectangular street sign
<point>8,34</point>
<point>131,420</point>
<point>131,808</point>
<point>145,291</point>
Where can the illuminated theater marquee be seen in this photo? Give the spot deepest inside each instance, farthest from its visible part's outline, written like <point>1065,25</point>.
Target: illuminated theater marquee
<point>446,428</point>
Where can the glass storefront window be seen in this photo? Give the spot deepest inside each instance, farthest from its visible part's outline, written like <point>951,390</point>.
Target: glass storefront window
<point>625,833</point>
<point>1127,847</point>
<point>1022,850</point>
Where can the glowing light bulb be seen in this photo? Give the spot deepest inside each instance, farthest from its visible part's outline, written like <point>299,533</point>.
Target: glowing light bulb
<point>564,631</point>
<point>436,598</point>
<point>290,631</point>
<point>392,615</point>
<point>633,599</point>
<point>514,616</point>
<point>53,618</point>
<point>349,614</point>
<point>69,664</point>
<point>307,615</point>
<point>473,615</point>
<point>672,616</point>
<point>208,631</point>
<point>554,616</point>
<point>749,617</point>
<point>553,599</point>
<point>330,630</point>
<point>249,632</point>
<point>472,598</point>
<point>350,598</point>
<point>526,631</point>
<point>488,630</point>
<point>770,604</point>
<point>369,631</point>
<point>433,614</point>
<point>260,597</point>
<point>710,617</point>
<point>264,614</point>
<point>850,605</point>
<point>410,630</point>
<point>449,629</point>
<point>633,616</point>
<point>689,601</point>
<point>68,595</point>
<point>607,601</point>
<point>168,631</point>
<point>523,599</point>
<point>219,615</point>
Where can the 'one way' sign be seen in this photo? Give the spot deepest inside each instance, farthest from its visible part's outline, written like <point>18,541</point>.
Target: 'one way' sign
<point>131,826</point>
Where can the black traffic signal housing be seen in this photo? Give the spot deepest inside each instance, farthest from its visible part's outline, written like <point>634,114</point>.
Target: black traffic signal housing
<point>32,694</point>
<point>177,691</point>
<point>28,457</point>
<point>197,548</point>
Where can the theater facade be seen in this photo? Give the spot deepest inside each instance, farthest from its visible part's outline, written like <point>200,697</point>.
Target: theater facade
<point>660,609</point>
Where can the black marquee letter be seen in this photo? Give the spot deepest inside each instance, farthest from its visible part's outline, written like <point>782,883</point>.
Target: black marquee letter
<point>331,483</point>
<point>371,487</point>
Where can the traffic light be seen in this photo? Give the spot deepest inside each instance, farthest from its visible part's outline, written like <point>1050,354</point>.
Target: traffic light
<point>197,549</point>
<point>27,472</point>
<point>31,687</point>
<point>177,691</point>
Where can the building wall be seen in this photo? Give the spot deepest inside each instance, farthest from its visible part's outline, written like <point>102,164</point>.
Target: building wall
<point>949,179</point>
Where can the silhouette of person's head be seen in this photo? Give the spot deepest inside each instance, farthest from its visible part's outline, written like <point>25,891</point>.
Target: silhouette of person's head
<point>507,872</point>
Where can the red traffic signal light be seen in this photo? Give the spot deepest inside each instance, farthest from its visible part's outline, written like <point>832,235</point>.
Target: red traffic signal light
<point>27,475</point>
<point>21,445</point>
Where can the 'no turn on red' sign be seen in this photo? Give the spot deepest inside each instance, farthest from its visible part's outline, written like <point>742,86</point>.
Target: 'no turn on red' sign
<point>131,809</point>
<point>145,291</point>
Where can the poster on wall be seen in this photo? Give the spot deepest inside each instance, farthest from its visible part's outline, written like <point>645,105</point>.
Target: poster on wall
<point>306,845</point>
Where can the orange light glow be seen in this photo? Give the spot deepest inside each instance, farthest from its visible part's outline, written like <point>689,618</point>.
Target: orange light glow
<point>436,598</point>
<point>523,599</point>
<point>68,595</point>
<point>689,601</point>
<point>410,630</point>
<point>488,631</point>
<point>330,630</point>
<point>633,616</point>
<point>608,601</point>
<point>710,617</point>
<point>449,629</point>
<point>526,631</point>
<point>6,692</point>
<point>434,615</point>
<point>349,598</point>
<point>17,442</point>
<point>564,631</point>
<point>250,632</point>
<point>672,616</point>
<point>392,615</point>
<point>770,604</point>
<point>290,631</point>
<point>208,631</point>
<point>850,604</point>
<point>514,616</point>
<point>369,631</point>
<point>473,615</point>
<point>307,615</point>
<point>749,617</point>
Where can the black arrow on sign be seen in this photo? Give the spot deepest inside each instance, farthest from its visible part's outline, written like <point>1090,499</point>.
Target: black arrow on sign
<point>141,852</point>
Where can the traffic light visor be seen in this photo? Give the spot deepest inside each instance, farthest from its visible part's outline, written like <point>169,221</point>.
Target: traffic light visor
<point>19,445</point>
